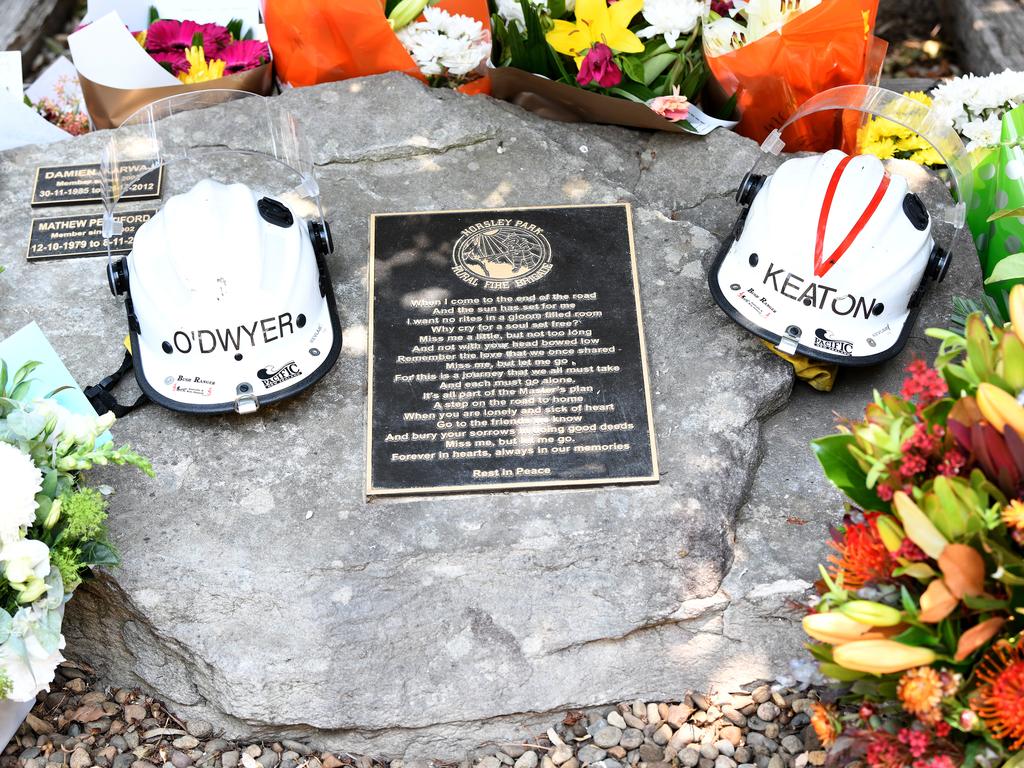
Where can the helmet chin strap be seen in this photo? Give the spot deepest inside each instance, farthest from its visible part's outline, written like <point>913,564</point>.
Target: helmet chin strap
<point>822,265</point>
<point>102,399</point>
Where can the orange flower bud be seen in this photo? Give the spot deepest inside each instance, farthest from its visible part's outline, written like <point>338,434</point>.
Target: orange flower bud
<point>937,603</point>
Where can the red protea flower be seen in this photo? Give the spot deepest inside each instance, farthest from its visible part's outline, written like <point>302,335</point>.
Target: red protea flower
<point>1000,698</point>
<point>860,556</point>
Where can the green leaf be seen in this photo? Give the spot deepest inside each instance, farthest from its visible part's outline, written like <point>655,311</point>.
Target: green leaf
<point>655,66</point>
<point>22,373</point>
<point>909,606</point>
<point>1017,761</point>
<point>1006,213</point>
<point>1010,268</point>
<point>917,636</point>
<point>634,68</point>
<point>842,674</point>
<point>154,15</point>
<point>99,553</point>
<point>235,28</point>
<point>833,453</point>
<point>3,378</point>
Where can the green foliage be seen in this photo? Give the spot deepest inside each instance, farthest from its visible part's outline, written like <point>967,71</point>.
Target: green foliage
<point>84,512</point>
<point>6,686</point>
<point>67,560</point>
<point>843,470</point>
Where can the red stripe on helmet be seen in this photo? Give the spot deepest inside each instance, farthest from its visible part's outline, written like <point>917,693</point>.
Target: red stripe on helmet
<point>821,265</point>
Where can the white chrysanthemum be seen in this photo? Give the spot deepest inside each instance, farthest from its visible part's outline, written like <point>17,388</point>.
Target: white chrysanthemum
<point>973,101</point>
<point>446,44</point>
<point>512,12</point>
<point>983,133</point>
<point>20,481</point>
<point>671,18</point>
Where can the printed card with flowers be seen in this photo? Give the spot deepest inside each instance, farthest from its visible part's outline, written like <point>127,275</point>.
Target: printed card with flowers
<point>641,52</point>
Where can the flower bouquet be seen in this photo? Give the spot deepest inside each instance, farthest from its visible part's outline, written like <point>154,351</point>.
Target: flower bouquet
<point>920,622</point>
<point>444,43</point>
<point>52,531</point>
<point>776,54</point>
<point>636,63</point>
<point>121,71</point>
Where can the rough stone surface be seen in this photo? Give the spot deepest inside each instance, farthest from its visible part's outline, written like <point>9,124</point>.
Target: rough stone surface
<point>421,627</point>
<point>988,33</point>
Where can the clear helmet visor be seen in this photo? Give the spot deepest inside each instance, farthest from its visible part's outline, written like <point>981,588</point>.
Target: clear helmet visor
<point>849,107</point>
<point>243,139</point>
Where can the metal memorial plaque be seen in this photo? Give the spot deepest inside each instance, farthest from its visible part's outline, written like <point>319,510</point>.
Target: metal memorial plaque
<point>78,184</point>
<point>506,350</point>
<point>69,237</point>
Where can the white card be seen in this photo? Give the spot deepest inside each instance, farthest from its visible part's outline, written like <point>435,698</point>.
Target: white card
<point>136,12</point>
<point>45,86</point>
<point>212,11</point>
<point>107,53</point>
<point>21,125</point>
<point>10,72</point>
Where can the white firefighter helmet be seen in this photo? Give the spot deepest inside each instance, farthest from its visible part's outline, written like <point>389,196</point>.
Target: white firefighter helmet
<point>832,254</point>
<point>229,302</point>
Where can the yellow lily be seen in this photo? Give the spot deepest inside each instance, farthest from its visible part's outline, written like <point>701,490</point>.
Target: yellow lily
<point>881,657</point>
<point>596,22</point>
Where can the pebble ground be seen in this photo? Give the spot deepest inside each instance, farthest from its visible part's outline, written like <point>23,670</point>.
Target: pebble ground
<point>79,725</point>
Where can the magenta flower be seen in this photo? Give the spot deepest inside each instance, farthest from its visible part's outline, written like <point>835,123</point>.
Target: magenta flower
<point>599,67</point>
<point>721,7</point>
<point>173,61</point>
<point>166,35</point>
<point>244,55</point>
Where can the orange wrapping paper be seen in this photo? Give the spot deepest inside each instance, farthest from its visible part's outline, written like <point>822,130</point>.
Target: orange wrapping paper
<point>319,42</point>
<point>825,47</point>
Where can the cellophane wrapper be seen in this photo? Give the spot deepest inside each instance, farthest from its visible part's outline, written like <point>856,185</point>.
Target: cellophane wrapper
<point>999,185</point>
<point>829,45</point>
<point>320,42</point>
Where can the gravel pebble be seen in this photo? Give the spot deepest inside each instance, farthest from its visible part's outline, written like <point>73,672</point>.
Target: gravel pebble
<point>591,754</point>
<point>725,747</point>
<point>615,719</point>
<point>609,736</point>
<point>689,757</point>
<point>528,759</point>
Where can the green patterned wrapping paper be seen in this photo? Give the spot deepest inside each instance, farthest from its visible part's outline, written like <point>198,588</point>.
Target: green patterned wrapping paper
<point>999,185</point>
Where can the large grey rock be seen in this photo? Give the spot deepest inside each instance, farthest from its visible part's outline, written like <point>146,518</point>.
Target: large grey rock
<point>988,33</point>
<point>425,626</point>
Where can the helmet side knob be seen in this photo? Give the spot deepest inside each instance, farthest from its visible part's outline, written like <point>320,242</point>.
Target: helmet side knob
<point>938,264</point>
<point>320,235</point>
<point>749,188</point>
<point>117,276</point>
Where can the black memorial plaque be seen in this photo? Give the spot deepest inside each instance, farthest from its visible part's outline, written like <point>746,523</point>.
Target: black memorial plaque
<point>506,351</point>
<point>69,237</point>
<point>79,184</point>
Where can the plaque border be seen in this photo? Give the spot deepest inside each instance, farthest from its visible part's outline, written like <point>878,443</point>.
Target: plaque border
<point>655,475</point>
<point>137,197</point>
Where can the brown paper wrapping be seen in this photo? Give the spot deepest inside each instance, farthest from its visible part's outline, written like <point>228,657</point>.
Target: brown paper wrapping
<point>558,101</point>
<point>109,107</point>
